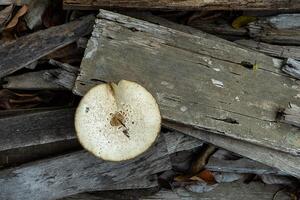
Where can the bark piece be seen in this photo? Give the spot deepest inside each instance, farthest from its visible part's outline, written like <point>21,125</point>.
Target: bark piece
<point>197,81</point>
<point>292,67</point>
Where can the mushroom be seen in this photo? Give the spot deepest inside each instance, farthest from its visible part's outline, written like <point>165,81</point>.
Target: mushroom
<point>117,122</point>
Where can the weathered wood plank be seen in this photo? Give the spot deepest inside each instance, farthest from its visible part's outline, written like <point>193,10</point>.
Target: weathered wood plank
<point>271,49</point>
<point>291,67</point>
<point>283,161</point>
<point>78,172</point>
<point>224,191</point>
<point>197,81</point>
<point>31,81</point>
<point>36,128</point>
<point>177,141</point>
<point>184,5</point>
<point>276,29</point>
<point>242,166</point>
<point>41,43</point>
<point>291,115</point>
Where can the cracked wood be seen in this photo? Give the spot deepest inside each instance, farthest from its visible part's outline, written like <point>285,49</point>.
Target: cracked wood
<point>79,172</point>
<point>197,81</point>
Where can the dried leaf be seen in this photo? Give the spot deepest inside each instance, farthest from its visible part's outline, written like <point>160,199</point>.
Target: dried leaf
<point>242,21</point>
<point>5,15</point>
<point>14,21</point>
<point>206,176</point>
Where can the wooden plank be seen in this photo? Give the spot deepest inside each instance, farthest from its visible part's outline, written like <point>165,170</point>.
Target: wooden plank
<point>177,141</point>
<point>283,161</point>
<point>78,172</point>
<point>291,115</point>
<point>279,51</point>
<point>242,166</point>
<point>184,5</point>
<point>41,43</point>
<point>291,67</point>
<point>36,128</point>
<point>272,30</point>
<point>224,191</point>
<point>31,81</point>
<point>196,81</point>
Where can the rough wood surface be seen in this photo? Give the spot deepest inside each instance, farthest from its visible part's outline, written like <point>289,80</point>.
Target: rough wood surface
<point>36,128</point>
<point>78,172</point>
<point>177,141</point>
<point>64,77</point>
<point>41,43</point>
<point>283,161</point>
<point>291,115</point>
<point>242,165</point>
<point>271,49</point>
<point>224,191</point>
<point>197,81</point>
<point>266,33</point>
<point>281,21</point>
<point>31,81</point>
<point>291,67</point>
<point>184,5</point>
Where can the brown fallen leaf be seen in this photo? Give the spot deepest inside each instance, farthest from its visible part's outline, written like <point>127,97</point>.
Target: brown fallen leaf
<point>206,176</point>
<point>5,15</point>
<point>14,21</point>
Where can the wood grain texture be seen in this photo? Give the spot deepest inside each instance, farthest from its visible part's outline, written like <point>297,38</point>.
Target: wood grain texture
<point>279,51</point>
<point>196,81</point>
<point>78,172</point>
<point>31,81</point>
<point>291,115</point>
<point>41,43</point>
<point>266,32</point>
<point>36,128</point>
<point>242,165</point>
<point>282,161</point>
<point>224,191</point>
<point>291,67</point>
<point>183,4</point>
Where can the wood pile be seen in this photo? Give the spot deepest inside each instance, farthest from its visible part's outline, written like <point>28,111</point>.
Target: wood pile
<point>225,76</point>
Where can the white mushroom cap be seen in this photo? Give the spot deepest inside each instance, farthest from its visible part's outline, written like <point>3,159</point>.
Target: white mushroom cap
<point>117,122</point>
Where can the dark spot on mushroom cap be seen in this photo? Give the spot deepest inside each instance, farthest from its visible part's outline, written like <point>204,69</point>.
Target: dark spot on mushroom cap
<point>87,109</point>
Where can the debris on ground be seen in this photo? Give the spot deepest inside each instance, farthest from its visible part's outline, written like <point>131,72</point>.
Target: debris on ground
<point>195,100</point>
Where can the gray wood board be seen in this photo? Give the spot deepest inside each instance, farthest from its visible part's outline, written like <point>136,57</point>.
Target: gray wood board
<point>242,165</point>
<point>283,161</point>
<point>184,5</point>
<point>197,81</point>
<point>224,191</point>
<point>31,81</point>
<point>36,128</point>
<point>41,43</point>
<point>78,172</point>
<point>265,33</point>
<point>279,51</point>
